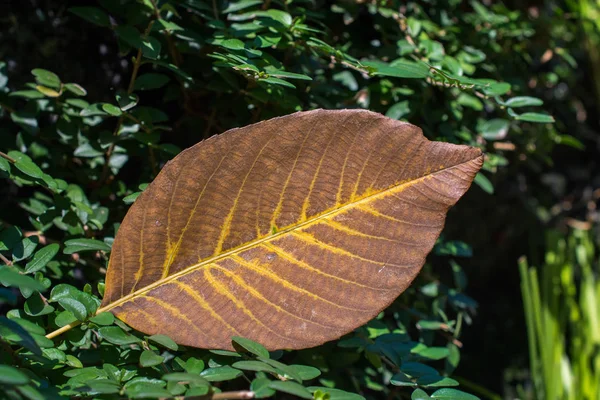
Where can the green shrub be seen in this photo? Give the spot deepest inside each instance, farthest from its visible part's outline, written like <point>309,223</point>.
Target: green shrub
<point>71,164</point>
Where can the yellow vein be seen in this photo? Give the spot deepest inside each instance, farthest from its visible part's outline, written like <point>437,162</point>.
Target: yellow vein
<point>307,237</point>
<point>373,150</point>
<point>368,209</point>
<point>204,304</point>
<point>262,270</point>
<point>338,196</point>
<point>179,175</point>
<point>176,312</point>
<point>418,205</point>
<point>239,281</point>
<point>289,177</point>
<point>409,157</point>
<point>316,175</point>
<point>341,227</point>
<point>172,252</point>
<point>284,231</point>
<point>221,289</point>
<point>227,223</point>
<point>287,256</point>
<point>122,270</point>
<point>140,272</point>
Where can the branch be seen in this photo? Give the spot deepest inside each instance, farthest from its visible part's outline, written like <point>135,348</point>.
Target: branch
<point>9,158</point>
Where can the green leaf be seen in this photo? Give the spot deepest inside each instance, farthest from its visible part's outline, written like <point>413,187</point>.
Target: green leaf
<point>497,89</point>
<point>104,386</point>
<point>148,358</point>
<point>336,394</point>
<point>76,89</point>
<point>278,16</point>
<point>27,94</point>
<point>252,365</point>
<point>92,14</point>
<point>220,374</point>
<point>151,47</point>
<point>150,81</point>
<point>25,165</point>
<point>126,101</point>
<point>103,318</point>
<point>116,335</point>
<point>398,110</point>
<point>523,101</point>
<point>452,394</point>
<point>164,341</point>
<point>4,165</point>
<point>112,110</point>
<point>436,381</point>
<point>429,325</point>
<point>231,44</point>
<point>15,333</point>
<point>25,248</point>
<point>12,376</point>
<point>64,318</point>
<point>240,5</point>
<point>243,344</point>
<point>292,388</point>
<point>41,258</point>
<point>35,306</point>
<point>419,394</point>
<point>484,183</point>
<point>306,372</point>
<point>92,110</point>
<point>494,129</point>
<point>470,101</point>
<point>432,353</point>
<point>185,378</point>
<point>46,78</point>
<point>261,389</point>
<point>277,81</point>
<point>399,69</point>
<point>79,245</point>
<point>194,365</point>
<point>9,238</point>
<point>151,389</point>
<point>75,307</point>
<point>285,74</point>
<point>401,379</point>
<point>9,277</point>
<point>535,117</point>
<point>86,150</point>
<point>47,91</point>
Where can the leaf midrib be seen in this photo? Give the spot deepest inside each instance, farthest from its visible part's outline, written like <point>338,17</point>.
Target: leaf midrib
<point>282,232</point>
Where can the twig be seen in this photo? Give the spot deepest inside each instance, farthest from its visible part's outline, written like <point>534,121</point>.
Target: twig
<point>5,260</point>
<point>215,9</point>
<point>242,394</point>
<point>7,108</point>
<point>9,158</point>
<point>134,72</point>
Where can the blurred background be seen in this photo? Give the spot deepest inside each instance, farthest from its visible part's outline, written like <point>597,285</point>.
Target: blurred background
<point>520,79</point>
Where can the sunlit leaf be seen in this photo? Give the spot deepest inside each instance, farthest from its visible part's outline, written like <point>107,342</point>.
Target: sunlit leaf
<point>290,232</point>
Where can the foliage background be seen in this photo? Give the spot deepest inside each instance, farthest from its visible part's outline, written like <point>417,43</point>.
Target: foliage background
<point>207,66</point>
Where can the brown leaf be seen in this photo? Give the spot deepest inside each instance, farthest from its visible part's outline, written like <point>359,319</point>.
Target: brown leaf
<point>290,232</point>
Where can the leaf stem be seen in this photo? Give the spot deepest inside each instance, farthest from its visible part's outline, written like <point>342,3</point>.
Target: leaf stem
<point>242,394</point>
<point>6,260</point>
<point>9,158</point>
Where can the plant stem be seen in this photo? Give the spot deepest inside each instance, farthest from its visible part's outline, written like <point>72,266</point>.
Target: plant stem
<point>6,260</point>
<point>9,158</point>
<point>136,66</point>
<point>242,394</point>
